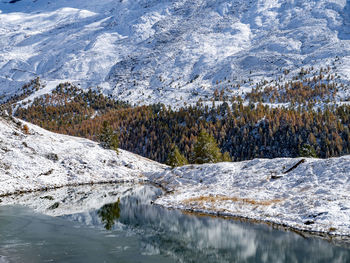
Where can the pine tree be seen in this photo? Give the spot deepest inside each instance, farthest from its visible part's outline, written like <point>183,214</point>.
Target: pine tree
<point>108,138</point>
<point>206,150</point>
<point>307,150</point>
<point>175,158</point>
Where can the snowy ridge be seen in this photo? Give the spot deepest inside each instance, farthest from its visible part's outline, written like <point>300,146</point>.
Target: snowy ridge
<point>169,51</point>
<point>314,196</point>
<point>41,159</point>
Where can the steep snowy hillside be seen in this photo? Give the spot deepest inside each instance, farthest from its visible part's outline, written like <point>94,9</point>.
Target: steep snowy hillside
<point>36,159</point>
<point>170,50</point>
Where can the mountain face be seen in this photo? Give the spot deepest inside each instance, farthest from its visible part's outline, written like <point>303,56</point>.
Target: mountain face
<point>168,51</point>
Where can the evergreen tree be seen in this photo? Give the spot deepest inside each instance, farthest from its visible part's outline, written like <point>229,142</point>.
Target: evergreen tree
<point>108,138</point>
<point>175,158</point>
<point>206,150</point>
<point>307,150</point>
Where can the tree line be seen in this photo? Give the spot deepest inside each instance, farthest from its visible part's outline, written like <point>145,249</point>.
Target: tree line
<point>243,131</point>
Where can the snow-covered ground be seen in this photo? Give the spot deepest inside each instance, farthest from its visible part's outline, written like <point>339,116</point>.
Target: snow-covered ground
<point>315,196</point>
<point>41,159</point>
<point>169,51</point>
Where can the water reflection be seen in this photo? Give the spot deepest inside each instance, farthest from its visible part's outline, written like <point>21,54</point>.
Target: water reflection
<point>127,219</point>
<point>109,213</point>
<point>190,238</point>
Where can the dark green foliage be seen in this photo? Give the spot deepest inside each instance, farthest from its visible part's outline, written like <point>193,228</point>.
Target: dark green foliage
<point>307,151</point>
<point>206,150</point>
<point>109,213</point>
<point>108,138</point>
<point>175,158</point>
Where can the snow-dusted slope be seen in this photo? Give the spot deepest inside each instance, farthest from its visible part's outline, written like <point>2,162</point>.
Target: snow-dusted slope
<point>41,159</point>
<point>147,51</point>
<point>314,196</point>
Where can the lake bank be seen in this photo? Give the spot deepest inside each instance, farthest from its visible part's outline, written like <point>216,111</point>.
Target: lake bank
<point>112,222</point>
<point>314,196</point>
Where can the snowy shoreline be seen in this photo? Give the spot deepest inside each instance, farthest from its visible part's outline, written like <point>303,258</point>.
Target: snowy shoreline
<point>334,238</point>
<point>313,197</point>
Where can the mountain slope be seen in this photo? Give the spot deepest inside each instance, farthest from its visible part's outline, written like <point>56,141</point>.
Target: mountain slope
<point>35,159</point>
<point>169,50</point>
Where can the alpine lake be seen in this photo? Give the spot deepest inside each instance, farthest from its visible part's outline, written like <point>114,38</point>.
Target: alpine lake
<point>118,223</point>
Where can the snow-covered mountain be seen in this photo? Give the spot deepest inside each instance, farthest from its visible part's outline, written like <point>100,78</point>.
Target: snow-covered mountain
<point>170,51</point>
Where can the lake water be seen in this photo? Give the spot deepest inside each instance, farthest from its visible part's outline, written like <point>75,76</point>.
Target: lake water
<point>117,223</point>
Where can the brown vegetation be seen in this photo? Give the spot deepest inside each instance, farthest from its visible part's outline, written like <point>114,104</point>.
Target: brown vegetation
<point>221,198</point>
<point>25,129</point>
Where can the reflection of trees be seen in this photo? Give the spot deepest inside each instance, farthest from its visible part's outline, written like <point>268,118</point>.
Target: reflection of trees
<point>189,238</point>
<point>109,213</point>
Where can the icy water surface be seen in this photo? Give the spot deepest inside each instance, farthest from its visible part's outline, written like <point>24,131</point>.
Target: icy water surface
<point>117,223</point>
